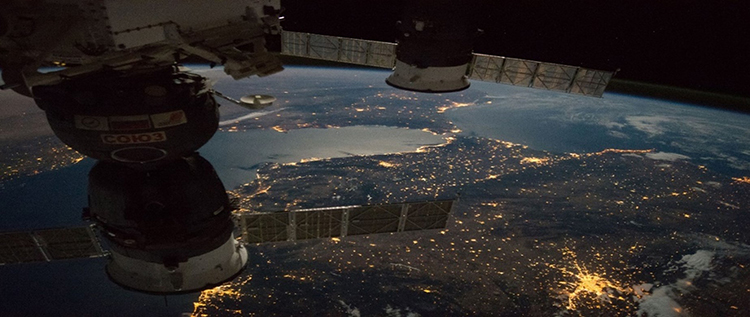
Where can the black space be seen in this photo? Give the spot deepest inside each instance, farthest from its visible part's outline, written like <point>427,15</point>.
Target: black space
<point>700,45</point>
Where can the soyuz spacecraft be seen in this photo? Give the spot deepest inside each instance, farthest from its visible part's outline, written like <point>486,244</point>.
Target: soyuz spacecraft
<point>105,73</point>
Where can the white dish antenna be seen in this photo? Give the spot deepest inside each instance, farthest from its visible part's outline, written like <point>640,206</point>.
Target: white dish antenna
<point>261,101</point>
<point>252,102</point>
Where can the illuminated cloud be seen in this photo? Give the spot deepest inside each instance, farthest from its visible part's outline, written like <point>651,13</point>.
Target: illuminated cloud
<point>661,302</point>
<point>248,116</point>
<point>666,156</point>
<point>350,311</point>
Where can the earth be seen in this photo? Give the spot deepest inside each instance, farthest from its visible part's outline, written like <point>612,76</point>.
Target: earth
<point>568,205</point>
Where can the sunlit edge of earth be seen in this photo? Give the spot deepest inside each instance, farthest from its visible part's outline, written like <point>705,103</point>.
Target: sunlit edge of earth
<point>712,109</point>
<point>680,95</point>
<point>676,94</point>
<point>710,99</point>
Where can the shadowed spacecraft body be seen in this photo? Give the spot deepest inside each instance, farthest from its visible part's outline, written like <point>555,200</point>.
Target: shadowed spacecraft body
<point>169,230</point>
<point>137,118</point>
<point>435,42</point>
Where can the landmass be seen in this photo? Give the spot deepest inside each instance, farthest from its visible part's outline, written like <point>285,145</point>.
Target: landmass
<point>611,233</point>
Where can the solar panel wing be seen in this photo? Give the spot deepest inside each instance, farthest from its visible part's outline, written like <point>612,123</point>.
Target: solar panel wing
<point>320,223</point>
<point>48,245</point>
<point>554,77</point>
<point>339,49</point>
<point>317,224</point>
<point>591,82</point>
<point>540,75</point>
<point>70,243</point>
<point>19,247</point>
<point>518,72</point>
<point>374,219</point>
<point>428,215</point>
<point>266,227</point>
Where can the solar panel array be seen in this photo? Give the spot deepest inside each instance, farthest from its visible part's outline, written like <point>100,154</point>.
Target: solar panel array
<point>548,76</point>
<point>498,69</point>
<point>339,49</point>
<point>344,221</point>
<point>48,245</point>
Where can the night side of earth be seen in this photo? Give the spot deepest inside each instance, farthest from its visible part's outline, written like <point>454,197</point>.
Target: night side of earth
<point>566,205</point>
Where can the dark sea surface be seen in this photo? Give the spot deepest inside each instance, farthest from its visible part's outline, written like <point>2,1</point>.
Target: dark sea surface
<point>237,155</point>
